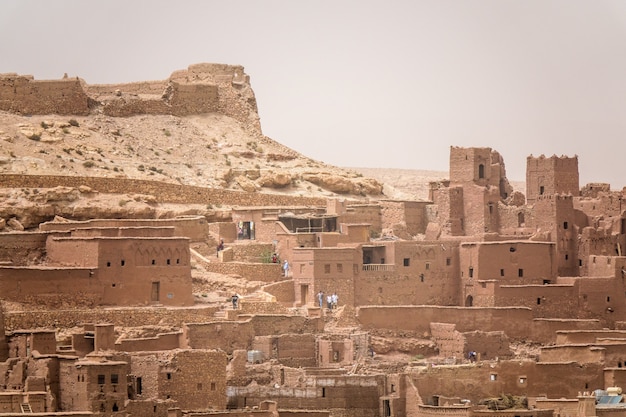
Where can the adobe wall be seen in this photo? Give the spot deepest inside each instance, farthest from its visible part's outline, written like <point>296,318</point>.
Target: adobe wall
<point>162,191</point>
<point>293,350</point>
<point>449,341</point>
<point>51,286</point>
<point>465,162</point>
<point>330,270</point>
<point>599,299</point>
<point>230,336</point>
<point>600,243</point>
<point>554,380</point>
<point>553,301</point>
<point>164,341</point>
<point>20,249</point>
<point>606,266</point>
<point>512,262</point>
<point>423,273</point>
<point>410,214</point>
<point>553,175</point>
<point>120,317</point>
<point>363,213</point>
<point>515,322</point>
<point>128,269</point>
<point>193,227</point>
<point>582,354</point>
<point>25,95</point>
<point>603,204</point>
<point>344,396</point>
<point>567,337</point>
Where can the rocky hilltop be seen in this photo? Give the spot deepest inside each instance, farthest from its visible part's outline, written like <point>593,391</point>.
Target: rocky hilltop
<point>199,127</point>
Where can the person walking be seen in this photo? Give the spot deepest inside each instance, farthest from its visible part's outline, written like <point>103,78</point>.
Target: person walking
<point>286,268</point>
<point>320,298</point>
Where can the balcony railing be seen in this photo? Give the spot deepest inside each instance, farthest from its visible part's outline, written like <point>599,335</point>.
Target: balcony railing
<point>379,267</point>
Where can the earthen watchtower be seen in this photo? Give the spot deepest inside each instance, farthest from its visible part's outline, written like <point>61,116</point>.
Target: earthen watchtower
<point>549,176</point>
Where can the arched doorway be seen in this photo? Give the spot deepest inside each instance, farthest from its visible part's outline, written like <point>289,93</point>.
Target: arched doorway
<point>469,301</point>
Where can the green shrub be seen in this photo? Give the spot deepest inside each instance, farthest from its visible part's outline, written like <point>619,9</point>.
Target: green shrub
<point>73,122</point>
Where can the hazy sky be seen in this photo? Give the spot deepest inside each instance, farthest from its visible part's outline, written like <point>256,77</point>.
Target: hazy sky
<point>363,83</point>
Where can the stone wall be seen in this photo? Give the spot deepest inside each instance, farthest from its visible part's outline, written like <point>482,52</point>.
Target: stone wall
<point>122,317</point>
<point>163,192</point>
<point>22,94</point>
<point>283,291</point>
<point>201,88</point>
<point>515,322</point>
<point>261,272</point>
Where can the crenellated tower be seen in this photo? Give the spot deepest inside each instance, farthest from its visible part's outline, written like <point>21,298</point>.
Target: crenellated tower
<point>549,176</point>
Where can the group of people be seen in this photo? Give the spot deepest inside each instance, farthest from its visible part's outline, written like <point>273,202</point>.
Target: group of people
<point>331,300</point>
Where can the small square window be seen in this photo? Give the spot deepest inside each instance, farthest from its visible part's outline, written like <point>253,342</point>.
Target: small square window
<point>427,266</point>
<point>471,272</point>
<point>493,377</point>
<point>522,380</point>
<point>520,272</point>
<point>213,386</point>
<point>100,379</point>
<point>406,261</point>
<point>327,268</point>
<point>501,272</point>
<point>114,379</point>
<point>123,262</point>
<point>448,261</point>
<point>339,268</point>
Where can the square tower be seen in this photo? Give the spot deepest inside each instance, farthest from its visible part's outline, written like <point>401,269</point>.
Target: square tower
<point>549,176</point>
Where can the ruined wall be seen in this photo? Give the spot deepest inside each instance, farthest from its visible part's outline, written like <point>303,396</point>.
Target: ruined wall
<point>23,94</point>
<point>530,377</point>
<point>234,335</point>
<point>408,216</point>
<point>449,341</point>
<point>515,322</point>
<point>344,396</point>
<point>21,249</point>
<point>363,213</point>
<point>201,88</point>
<point>549,176</point>
<point>163,192</point>
<point>195,379</point>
